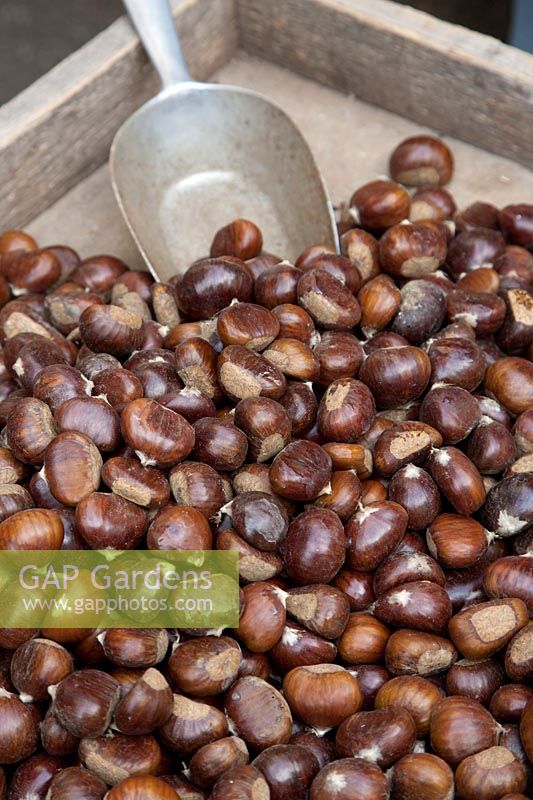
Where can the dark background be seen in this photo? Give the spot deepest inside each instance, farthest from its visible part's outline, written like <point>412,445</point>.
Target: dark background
<point>36,34</point>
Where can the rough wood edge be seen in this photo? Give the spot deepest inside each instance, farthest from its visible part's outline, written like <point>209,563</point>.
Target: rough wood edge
<point>441,75</point>
<point>60,129</point>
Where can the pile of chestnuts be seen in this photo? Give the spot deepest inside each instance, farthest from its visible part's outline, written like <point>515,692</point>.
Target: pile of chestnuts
<point>359,429</point>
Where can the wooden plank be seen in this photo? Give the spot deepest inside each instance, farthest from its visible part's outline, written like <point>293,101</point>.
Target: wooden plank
<point>60,129</point>
<point>87,217</point>
<point>454,80</point>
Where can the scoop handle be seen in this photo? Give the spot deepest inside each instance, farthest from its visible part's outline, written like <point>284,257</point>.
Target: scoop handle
<point>154,23</point>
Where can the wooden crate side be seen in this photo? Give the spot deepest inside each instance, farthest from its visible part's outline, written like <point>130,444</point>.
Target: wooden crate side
<point>447,77</point>
<point>60,129</point>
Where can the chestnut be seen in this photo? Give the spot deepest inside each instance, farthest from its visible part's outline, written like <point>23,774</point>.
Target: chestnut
<point>421,776</point>
<point>244,373</point>
<point>259,712</point>
<point>349,777</point>
<point>346,410</point>
<point>431,203</point>
<point>313,550</point>
<point>396,375</point>
<point>470,249</point>
<point>416,491</point>
<point>457,541</point>
<point>293,358</point>
<point>93,417</point>
<point>110,329</point>
<point>84,702</point>
<point>328,301</point>
<point>490,774</point>
<point>115,758</point>
<point>109,521</point>
<point>380,204</point>
<point>461,727</point>
<point>164,303</point>
<point>475,679</point>
<point>422,161</point>
<point>516,221</point>
<point>33,777</point>
<point>31,529</point>
<point>300,471</point>
<point>364,640</point>
<point>241,783</point>
<point>337,265</point>
<point>240,238</point>
<point>457,478</point>
<point>510,380</point>
<point>361,249</point>
<point>415,694</point>
<point>298,647</point>
<point>219,444</point>
<point>136,647</point>
<point>403,445</point>
<point>277,285</point>
<point>405,567</point>
<point>322,695</point>
<point>77,783</point>
<point>20,728</point>
<point>373,533</point>
<point>482,629</point>
<point>72,465</point>
<point>422,605</point>
<point>412,251</point>
<point>507,509</point>
<point>260,518</point>
<point>159,436</point>
<point>453,411</point>
<point>421,311</point>
<point>518,658</point>
<point>322,609</point>
<point>288,769</point>
<point>294,322</point>
<point>139,786</point>
<point>266,424</point>
<point>357,586</point>
<point>144,486</point>
<point>350,456</point>
<point>29,430</point>
<point>38,664</point>
<point>508,702</point>
<point>191,725</point>
<point>380,300</point>
<point>209,285</point>
<point>146,706</point>
<point>484,311</point>
<point>13,498</point>
<point>491,447</point>
<point>382,736</point>
<point>204,665</point>
<point>510,577</point>
<point>196,484</point>
<point>212,760</point>
<point>247,324</point>
<point>59,382</point>
<point>457,361</point>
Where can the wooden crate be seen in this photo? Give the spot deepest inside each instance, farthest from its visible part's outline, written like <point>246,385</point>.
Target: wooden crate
<point>356,75</point>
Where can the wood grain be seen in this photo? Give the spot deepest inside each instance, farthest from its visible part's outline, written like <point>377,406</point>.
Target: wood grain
<point>454,80</point>
<point>60,129</point>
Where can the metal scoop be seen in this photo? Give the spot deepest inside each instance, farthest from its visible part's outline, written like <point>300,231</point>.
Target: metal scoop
<point>199,155</point>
